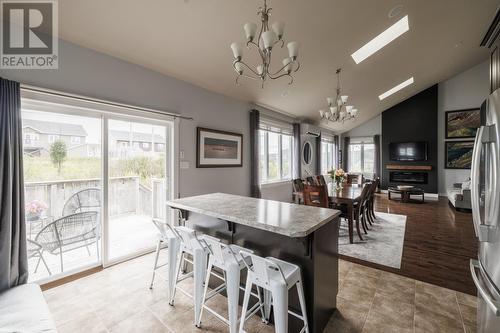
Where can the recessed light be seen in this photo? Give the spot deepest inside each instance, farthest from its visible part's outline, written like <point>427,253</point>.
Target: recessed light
<point>396,11</point>
<point>396,88</point>
<point>387,36</point>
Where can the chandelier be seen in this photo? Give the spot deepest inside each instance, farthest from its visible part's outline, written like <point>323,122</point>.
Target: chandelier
<point>338,111</point>
<point>264,43</point>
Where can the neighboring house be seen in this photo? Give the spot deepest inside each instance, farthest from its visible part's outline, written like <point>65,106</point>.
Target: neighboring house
<point>136,142</point>
<point>39,135</point>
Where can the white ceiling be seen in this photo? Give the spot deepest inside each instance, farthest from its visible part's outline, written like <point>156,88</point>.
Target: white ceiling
<point>189,40</point>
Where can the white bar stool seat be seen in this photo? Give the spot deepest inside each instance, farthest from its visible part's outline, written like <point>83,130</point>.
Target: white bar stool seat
<point>226,258</point>
<point>276,277</point>
<point>165,235</point>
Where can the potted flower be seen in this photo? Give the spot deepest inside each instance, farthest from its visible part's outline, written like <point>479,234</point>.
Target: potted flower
<point>34,210</point>
<point>338,177</point>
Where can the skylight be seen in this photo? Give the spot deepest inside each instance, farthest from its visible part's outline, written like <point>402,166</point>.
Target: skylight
<point>396,88</point>
<point>390,34</point>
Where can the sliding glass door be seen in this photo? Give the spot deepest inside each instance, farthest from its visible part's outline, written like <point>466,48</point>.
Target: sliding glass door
<point>137,190</point>
<point>94,180</point>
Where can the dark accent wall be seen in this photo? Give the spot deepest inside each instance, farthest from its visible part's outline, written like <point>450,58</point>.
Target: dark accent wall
<point>414,119</point>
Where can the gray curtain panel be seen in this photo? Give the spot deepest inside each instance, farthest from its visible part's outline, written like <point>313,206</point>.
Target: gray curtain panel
<point>376,164</point>
<point>254,153</point>
<point>336,152</point>
<point>318,155</point>
<point>345,153</point>
<point>297,172</point>
<point>13,256</point>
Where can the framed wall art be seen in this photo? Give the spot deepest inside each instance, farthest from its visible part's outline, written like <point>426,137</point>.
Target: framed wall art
<point>218,149</point>
<point>462,124</point>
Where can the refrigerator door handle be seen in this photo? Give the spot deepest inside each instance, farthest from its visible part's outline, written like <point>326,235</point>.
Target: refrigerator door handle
<point>481,288</point>
<point>484,232</point>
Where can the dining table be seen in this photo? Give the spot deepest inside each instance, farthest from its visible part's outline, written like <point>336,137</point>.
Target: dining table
<point>348,196</point>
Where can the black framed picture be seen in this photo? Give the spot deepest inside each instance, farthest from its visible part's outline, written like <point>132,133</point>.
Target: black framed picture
<point>461,124</point>
<point>458,154</point>
<point>218,149</point>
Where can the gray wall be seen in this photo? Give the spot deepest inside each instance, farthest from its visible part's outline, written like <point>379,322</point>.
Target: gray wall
<point>86,72</point>
<point>466,90</point>
<point>369,128</point>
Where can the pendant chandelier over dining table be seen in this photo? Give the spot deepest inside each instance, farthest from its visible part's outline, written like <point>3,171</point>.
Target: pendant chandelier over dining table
<point>338,111</point>
<point>264,43</point>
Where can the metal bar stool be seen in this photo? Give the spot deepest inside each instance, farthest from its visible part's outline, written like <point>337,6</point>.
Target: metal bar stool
<point>227,259</point>
<point>276,277</point>
<point>190,244</point>
<point>166,237</point>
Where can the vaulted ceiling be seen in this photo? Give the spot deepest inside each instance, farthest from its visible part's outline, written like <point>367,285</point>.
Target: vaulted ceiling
<point>189,40</point>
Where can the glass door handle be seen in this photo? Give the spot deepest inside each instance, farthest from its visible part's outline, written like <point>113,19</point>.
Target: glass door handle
<point>493,304</point>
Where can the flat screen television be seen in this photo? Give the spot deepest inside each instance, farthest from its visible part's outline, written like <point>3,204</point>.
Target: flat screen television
<point>408,151</point>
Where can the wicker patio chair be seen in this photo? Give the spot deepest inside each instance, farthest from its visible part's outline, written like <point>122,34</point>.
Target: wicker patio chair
<point>85,200</point>
<point>70,233</point>
<point>35,250</point>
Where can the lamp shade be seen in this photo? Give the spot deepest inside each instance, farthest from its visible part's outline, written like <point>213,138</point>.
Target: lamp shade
<point>354,112</point>
<point>269,38</point>
<point>342,114</point>
<point>349,108</point>
<point>237,50</point>
<point>250,30</point>
<point>328,114</point>
<point>239,67</point>
<point>279,28</point>
<point>260,69</point>
<point>293,49</point>
<point>330,100</point>
<point>333,110</point>
<point>287,62</point>
<point>322,113</point>
<point>344,98</point>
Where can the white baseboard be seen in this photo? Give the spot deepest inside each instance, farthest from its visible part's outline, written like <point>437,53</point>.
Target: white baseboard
<point>428,196</point>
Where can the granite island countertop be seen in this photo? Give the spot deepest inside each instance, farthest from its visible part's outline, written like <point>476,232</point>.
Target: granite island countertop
<point>283,218</point>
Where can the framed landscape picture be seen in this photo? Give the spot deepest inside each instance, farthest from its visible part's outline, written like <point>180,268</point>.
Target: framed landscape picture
<point>462,124</point>
<point>458,154</point>
<point>216,149</point>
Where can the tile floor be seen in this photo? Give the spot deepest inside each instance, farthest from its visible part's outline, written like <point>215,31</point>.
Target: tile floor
<point>118,300</point>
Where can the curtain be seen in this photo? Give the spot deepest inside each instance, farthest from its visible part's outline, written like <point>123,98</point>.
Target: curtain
<point>376,162</point>
<point>297,172</point>
<point>336,152</point>
<point>345,153</point>
<point>13,255</point>
<point>254,153</point>
<point>318,155</point>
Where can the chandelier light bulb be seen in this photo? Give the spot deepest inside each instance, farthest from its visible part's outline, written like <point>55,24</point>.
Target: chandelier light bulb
<point>293,50</point>
<point>250,30</point>
<point>287,62</point>
<point>237,50</point>
<point>269,38</point>
<point>239,67</point>
<point>279,29</point>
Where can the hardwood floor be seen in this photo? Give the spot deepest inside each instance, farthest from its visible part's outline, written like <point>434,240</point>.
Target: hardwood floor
<point>439,242</point>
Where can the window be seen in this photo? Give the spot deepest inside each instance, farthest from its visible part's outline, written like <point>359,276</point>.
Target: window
<point>30,138</point>
<point>76,139</point>
<point>361,156</point>
<point>53,138</point>
<point>328,150</point>
<point>275,156</point>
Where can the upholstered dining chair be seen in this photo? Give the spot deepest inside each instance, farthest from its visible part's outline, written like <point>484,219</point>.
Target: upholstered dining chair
<point>310,181</point>
<point>361,211</point>
<point>354,179</point>
<point>298,187</point>
<point>316,195</point>
<point>320,180</point>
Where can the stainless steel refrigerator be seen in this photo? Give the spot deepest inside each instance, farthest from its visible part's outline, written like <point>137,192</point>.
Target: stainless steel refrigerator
<point>485,193</point>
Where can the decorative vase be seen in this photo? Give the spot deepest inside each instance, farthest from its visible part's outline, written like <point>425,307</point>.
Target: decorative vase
<point>338,185</point>
<point>32,217</point>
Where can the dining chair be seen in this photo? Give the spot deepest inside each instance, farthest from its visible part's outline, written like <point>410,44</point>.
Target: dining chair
<point>361,209</point>
<point>320,180</point>
<point>298,187</point>
<point>310,181</point>
<point>371,203</point>
<point>354,179</point>
<point>316,195</point>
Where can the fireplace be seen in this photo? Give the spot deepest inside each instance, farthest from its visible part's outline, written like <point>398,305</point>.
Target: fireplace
<point>408,177</point>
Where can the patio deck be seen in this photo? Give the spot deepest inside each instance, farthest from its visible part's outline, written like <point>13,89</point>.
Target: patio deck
<point>128,234</point>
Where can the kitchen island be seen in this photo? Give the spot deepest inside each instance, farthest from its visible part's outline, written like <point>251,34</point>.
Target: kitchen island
<point>303,235</point>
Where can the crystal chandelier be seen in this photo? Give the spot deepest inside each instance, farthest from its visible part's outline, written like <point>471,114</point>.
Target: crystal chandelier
<point>338,111</point>
<point>264,43</point>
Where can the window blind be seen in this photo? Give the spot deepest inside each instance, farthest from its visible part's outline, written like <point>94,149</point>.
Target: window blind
<point>360,139</point>
<point>275,125</point>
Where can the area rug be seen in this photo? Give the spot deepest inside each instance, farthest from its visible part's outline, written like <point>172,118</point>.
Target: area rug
<point>382,245</point>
